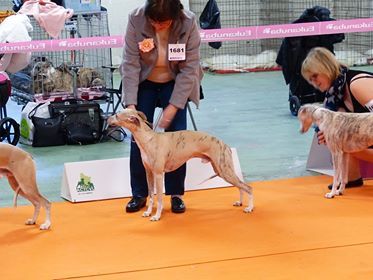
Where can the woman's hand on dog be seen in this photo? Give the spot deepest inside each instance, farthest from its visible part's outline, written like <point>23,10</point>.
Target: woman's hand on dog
<point>320,138</point>
<point>168,115</point>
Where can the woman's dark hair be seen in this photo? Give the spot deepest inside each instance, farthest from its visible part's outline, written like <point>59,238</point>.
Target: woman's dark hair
<point>162,10</point>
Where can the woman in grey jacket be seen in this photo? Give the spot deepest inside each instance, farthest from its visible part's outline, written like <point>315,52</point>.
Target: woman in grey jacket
<point>160,68</point>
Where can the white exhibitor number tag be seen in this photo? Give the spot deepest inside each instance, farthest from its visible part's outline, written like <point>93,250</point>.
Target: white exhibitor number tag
<point>176,52</point>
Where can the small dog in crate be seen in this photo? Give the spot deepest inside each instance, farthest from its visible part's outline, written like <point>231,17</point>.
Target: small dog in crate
<point>89,77</point>
<point>63,78</point>
<point>42,77</point>
<point>47,79</point>
<point>19,167</point>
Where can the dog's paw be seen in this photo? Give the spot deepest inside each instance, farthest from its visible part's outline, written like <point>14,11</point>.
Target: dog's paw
<point>146,214</point>
<point>45,226</point>
<point>339,192</point>
<point>248,209</point>
<point>237,203</point>
<point>155,218</point>
<point>30,222</point>
<point>329,195</point>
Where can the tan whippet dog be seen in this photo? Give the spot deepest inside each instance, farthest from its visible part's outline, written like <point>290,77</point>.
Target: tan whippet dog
<point>20,170</point>
<point>167,151</point>
<point>344,133</point>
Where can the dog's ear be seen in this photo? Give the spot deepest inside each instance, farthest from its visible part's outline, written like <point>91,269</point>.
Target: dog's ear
<point>301,110</point>
<point>307,109</point>
<point>144,118</point>
<point>133,119</point>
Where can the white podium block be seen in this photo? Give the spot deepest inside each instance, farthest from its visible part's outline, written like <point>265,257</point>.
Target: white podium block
<point>95,180</point>
<point>107,179</point>
<point>319,158</point>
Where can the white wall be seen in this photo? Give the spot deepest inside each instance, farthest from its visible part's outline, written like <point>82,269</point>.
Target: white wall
<point>118,15</point>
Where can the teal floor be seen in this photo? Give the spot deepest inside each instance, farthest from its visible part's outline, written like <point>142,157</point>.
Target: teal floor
<point>248,111</point>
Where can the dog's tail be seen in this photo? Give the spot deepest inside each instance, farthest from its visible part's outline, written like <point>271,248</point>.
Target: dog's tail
<point>16,196</point>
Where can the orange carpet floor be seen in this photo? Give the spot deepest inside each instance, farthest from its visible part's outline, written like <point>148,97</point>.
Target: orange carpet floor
<point>293,233</point>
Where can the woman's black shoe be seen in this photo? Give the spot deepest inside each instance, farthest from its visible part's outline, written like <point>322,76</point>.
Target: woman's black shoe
<point>351,184</point>
<point>177,205</point>
<point>135,204</point>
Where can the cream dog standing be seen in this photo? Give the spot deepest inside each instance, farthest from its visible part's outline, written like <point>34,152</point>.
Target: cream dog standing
<point>167,151</point>
<point>344,133</point>
<point>20,169</point>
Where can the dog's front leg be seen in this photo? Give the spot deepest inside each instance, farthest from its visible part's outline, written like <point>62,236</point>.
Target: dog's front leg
<point>39,201</point>
<point>32,220</point>
<point>239,202</point>
<point>47,223</point>
<point>29,196</point>
<point>150,181</point>
<point>336,158</point>
<point>159,179</point>
<point>345,159</point>
<point>36,203</point>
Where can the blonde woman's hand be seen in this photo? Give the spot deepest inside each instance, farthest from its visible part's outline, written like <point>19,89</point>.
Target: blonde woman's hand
<point>321,137</point>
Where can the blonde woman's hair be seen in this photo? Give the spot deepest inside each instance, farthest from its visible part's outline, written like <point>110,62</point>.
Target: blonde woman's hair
<point>321,60</point>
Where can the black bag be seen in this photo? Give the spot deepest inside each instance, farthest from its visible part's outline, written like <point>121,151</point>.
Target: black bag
<point>81,134</point>
<point>17,4</point>
<point>5,89</point>
<point>210,19</point>
<point>48,132</point>
<point>82,121</point>
<point>116,133</point>
<point>58,2</point>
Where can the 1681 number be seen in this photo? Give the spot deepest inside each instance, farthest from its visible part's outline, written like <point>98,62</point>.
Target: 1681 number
<point>177,50</point>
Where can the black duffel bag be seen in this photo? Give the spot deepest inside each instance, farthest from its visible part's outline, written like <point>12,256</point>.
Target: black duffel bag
<point>82,120</point>
<point>48,132</point>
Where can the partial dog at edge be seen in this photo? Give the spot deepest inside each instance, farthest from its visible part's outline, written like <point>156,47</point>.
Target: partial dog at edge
<point>344,133</point>
<point>20,170</point>
<point>167,151</point>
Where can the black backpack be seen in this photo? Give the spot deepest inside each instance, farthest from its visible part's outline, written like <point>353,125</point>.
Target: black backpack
<point>210,19</point>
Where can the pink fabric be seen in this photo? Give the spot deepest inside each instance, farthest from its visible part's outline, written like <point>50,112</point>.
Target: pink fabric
<point>3,76</point>
<point>5,61</point>
<point>366,169</point>
<point>14,62</point>
<point>18,62</point>
<point>83,94</point>
<point>50,16</point>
